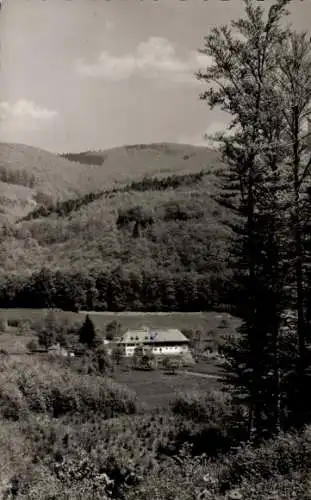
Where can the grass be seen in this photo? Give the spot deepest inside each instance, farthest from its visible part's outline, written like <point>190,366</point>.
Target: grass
<point>205,321</point>
<point>13,343</point>
<point>197,320</point>
<point>157,389</point>
<point>34,314</point>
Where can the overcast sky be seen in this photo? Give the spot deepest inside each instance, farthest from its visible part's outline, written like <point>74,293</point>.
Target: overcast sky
<point>94,74</point>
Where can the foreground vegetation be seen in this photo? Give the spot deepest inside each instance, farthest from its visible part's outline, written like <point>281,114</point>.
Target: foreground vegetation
<point>65,434</point>
<point>74,427</point>
<point>70,426</point>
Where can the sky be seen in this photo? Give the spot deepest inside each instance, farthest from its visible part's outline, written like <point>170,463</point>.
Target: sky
<point>95,74</point>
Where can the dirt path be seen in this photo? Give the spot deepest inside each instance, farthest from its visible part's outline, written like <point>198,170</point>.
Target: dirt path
<point>204,375</point>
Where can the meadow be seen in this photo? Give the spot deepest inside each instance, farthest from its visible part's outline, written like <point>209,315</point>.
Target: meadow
<point>157,389</point>
<point>196,320</point>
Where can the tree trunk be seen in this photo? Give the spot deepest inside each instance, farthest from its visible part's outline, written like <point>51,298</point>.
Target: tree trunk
<point>299,258</point>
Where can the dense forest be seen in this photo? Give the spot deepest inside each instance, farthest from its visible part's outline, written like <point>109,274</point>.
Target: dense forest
<point>147,184</point>
<point>117,290</point>
<point>145,239</point>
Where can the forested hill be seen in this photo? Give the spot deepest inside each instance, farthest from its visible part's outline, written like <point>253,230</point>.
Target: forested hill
<point>32,177</point>
<point>161,228</point>
<point>141,159</point>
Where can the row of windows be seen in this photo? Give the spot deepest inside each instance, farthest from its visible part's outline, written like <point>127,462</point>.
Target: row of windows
<point>159,349</point>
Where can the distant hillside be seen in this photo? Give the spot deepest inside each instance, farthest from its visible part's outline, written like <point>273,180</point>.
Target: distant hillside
<point>142,231</point>
<point>31,177</point>
<point>135,160</point>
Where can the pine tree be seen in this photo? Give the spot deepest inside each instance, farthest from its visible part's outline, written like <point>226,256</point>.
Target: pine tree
<point>243,79</point>
<point>294,82</point>
<point>87,333</point>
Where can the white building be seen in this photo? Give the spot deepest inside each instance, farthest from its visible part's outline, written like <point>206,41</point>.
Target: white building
<point>159,341</point>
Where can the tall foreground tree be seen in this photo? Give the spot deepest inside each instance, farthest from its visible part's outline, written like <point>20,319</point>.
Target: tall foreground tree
<point>294,82</point>
<point>245,81</point>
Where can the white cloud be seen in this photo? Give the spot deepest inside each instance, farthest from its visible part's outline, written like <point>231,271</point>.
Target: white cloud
<point>151,59</point>
<point>206,137</point>
<point>25,110</point>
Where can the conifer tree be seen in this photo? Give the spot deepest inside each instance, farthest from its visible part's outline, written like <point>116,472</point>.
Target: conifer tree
<point>87,333</point>
<point>294,84</point>
<point>242,81</point>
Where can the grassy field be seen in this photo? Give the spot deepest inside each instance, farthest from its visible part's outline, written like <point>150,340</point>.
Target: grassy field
<point>202,320</point>
<point>157,388</point>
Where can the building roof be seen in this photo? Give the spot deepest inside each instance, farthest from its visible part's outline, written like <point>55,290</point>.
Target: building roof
<point>153,335</point>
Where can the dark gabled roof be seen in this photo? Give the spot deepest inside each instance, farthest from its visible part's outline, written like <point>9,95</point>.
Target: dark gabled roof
<point>152,335</point>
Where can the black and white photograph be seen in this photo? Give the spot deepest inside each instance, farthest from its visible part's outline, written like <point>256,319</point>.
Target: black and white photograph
<point>155,249</point>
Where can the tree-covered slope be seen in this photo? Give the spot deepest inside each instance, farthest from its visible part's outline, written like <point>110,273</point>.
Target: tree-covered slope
<point>155,230</point>
<point>31,177</point>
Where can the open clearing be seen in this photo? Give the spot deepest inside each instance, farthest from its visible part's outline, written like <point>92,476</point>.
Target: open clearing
<point>156,388</point>
<point>198,320</point>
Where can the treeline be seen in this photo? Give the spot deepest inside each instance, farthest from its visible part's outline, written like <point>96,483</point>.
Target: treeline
<point>63,208</point>
<point>19,177</point>
<point>170,182</point>
<point>115,290</point>
<point>85,158</point>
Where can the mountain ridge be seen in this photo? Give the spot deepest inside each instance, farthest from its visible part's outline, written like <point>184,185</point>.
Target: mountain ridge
<point>31,177</point>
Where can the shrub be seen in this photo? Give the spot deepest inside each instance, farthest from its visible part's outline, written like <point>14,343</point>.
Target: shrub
<point>95,361</point>
<point>14,323</point>
<point>117,354</point>
<point>187,359</point>
<point>3,325</point>
<point>171,363</point>
<point>43,387</point>
<point>210,407</point>
<point>224,323</point>
<point>113,329</point>
<point>216,410</point>
<point>32,345</point>
<point>284,456</point>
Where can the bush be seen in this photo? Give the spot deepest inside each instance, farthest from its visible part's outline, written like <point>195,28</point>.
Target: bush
<point>95,361</point>
<point>113,329</point>
<point>14,323</point>
<point>42,387</point>
<point>224,323</point>
<point>187,359</point>
<point>286,455</point>
<point>3,325</point>
<point>171,363</point>
<point>32,345</point>
<point>214,406</point>
<point>117,354</point>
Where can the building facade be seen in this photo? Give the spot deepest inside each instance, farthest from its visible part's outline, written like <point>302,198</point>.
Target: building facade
<point>158,341</point>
